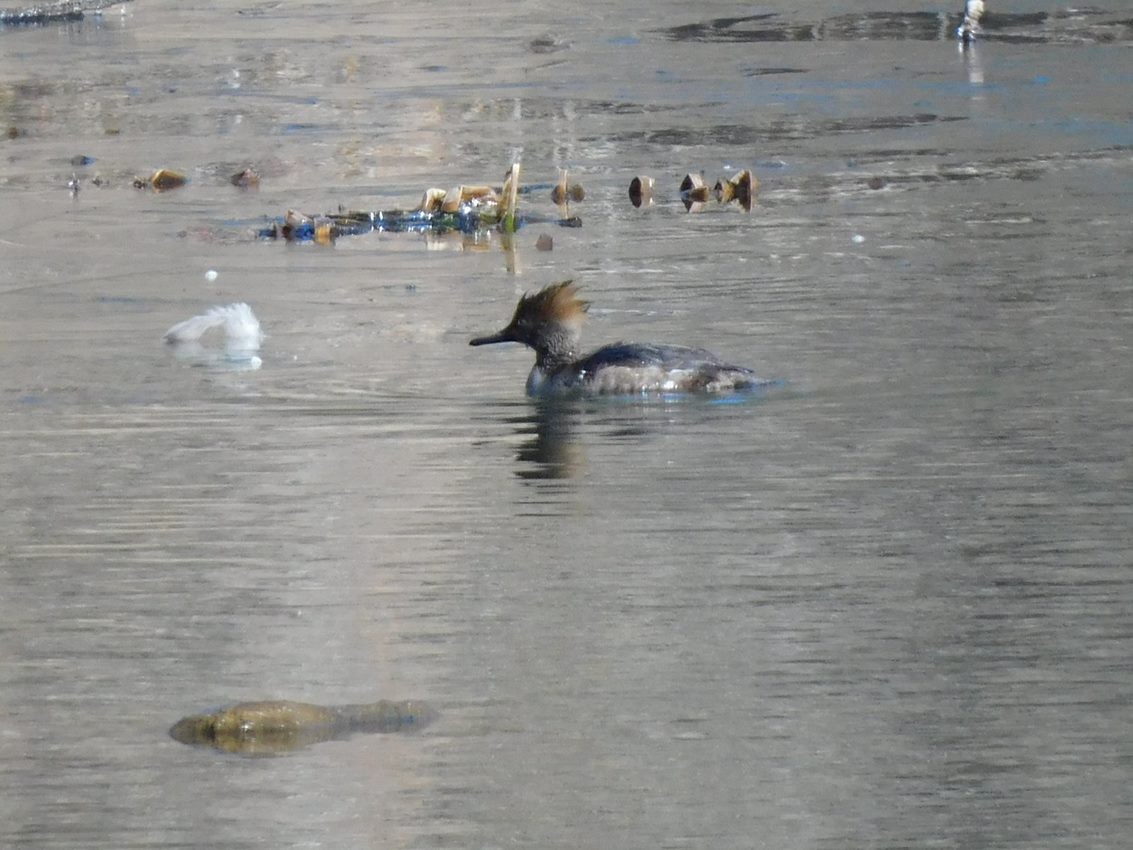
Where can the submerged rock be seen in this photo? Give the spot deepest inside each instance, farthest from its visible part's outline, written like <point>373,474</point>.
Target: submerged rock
<point>280,726</point>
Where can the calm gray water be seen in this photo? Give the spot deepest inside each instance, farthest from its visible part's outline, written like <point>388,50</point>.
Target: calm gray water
<point>889,606</point>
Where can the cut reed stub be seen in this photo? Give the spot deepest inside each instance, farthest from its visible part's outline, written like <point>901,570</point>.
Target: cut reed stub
<point>509,200</point>
<point>693,188</point>
<point>564,191</point>
<point>641,191</point>
<point>739,188</point>
<point>694,192</point>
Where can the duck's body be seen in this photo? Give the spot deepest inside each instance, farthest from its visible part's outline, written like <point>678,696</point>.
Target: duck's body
<point>627,368</point>
<point>550,322</point>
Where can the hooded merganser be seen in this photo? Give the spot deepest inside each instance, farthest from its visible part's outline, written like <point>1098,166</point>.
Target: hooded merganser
<point>550,321</point>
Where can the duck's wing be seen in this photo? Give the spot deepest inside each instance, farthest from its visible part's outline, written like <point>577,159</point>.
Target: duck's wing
<point>651,354</point>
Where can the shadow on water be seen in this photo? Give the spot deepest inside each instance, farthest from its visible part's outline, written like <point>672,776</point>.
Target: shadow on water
<point>1089,25</point>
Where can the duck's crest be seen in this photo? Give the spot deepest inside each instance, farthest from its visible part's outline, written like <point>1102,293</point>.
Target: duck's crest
<point>558,302</point>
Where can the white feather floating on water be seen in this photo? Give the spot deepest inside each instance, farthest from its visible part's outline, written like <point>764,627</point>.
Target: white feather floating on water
<point>241,329</point>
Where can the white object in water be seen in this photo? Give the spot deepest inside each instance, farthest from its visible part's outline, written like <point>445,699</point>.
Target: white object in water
<point>241,328</point>
<point>239,322</point>
<point>211,275</point>
<point>970,27</point>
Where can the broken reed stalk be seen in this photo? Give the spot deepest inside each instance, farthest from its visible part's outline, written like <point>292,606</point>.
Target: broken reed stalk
<point>510,202</point>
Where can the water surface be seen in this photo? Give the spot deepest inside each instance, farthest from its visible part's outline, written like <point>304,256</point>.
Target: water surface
<point>887,607</point>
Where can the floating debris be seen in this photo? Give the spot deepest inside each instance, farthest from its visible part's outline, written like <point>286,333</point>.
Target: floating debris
<point>73,185</point>
<point>281,726</point>
<point>545,242</point>
<point>438,200</point>
<point>468,209</point>
<point>324,229</point>
<point>475,195</point>
<point>161,180</point>
<point>249,178</point>
<point>641,191</point>
<point>81,160</point>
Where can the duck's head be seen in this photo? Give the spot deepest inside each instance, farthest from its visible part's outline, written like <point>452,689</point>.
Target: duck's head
<point>551,317</point>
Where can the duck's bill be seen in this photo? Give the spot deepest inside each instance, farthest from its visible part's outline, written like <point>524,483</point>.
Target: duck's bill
<point>503,336</point>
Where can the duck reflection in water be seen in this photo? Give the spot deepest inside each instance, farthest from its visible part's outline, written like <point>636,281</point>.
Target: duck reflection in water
<point>554,446</point>
<point>551,450</point>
